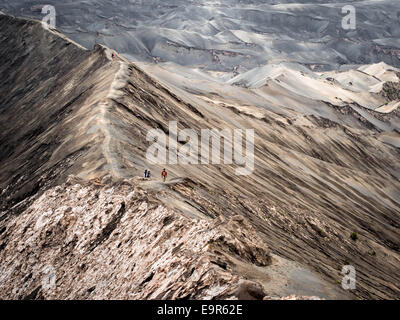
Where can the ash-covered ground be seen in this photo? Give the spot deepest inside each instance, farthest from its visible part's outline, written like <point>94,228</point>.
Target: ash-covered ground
<point>230,35</point>
<point>324,192</point>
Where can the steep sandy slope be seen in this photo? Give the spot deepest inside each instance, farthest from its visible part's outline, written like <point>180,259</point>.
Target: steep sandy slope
<point>322,171</point>
<point>317,162</point>
<point>54,113</point>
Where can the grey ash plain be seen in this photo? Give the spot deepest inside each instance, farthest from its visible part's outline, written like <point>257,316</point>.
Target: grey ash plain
<point>225,35</point>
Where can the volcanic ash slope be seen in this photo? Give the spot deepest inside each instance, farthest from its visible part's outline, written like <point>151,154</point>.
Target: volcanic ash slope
<point>324,168</point>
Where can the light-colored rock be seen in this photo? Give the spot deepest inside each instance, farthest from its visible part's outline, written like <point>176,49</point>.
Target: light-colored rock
<point>116,243</point>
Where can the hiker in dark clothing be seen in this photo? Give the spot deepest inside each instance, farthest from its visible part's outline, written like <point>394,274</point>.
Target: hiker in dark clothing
<point>145,173</point>
<point>148,174</point>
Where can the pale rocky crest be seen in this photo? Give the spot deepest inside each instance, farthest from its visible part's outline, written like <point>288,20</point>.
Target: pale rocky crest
<point>326,166</point>
<point>118,242</point>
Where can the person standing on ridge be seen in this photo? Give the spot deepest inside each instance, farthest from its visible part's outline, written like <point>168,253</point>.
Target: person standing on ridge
<point>164,175</point>
<point>148,174</point>
<point>145,173</point>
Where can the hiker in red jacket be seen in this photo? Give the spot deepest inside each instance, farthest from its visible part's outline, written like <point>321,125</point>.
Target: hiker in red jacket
<point>164,174</point>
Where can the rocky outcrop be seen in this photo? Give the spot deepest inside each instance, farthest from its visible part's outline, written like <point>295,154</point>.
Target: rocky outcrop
<point>391,90</point>
<point>85,241</point>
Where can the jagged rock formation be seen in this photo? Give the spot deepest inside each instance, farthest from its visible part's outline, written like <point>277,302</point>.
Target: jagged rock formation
<point>118,242</point>
<point>326,165</point>
<point>391,90</point>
